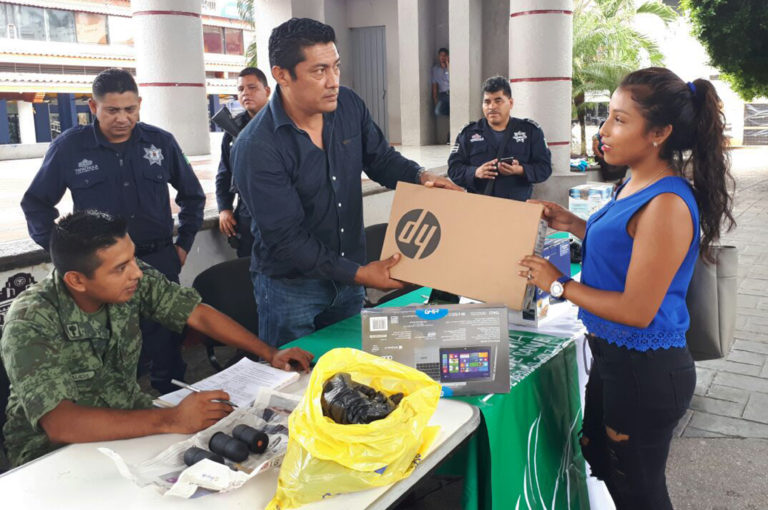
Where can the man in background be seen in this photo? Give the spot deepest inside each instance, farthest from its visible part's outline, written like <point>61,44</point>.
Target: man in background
<point>235,222</point>
<point>500,155</point>
<point>441,84</point>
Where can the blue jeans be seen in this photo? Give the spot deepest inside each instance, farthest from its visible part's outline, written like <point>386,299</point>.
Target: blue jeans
<point>290,308</point>
<point>443,106</point>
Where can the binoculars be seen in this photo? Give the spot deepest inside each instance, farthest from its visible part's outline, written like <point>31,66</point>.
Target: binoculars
<point>246,440</point>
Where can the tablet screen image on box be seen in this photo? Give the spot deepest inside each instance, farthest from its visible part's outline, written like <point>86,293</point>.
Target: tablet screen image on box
<point>463,347</point>
<point>465,364</point>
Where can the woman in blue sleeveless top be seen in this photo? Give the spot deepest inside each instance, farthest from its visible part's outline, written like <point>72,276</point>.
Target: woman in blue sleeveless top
<point>638,259</point>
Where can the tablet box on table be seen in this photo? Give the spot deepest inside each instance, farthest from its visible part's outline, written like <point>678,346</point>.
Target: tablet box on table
<point>464,347</point>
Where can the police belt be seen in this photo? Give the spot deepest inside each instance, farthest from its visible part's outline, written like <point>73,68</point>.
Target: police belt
<point>148,247</point>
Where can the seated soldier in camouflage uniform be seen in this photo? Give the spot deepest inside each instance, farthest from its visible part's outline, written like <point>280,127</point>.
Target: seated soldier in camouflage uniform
<point>71,345</point>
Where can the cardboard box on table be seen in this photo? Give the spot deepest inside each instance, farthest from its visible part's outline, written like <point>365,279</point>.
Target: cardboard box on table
<point>586,199</point>
<point>558,252</point>
<point>463,243</point>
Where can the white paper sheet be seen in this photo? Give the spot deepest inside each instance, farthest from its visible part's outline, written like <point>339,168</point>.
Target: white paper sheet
<point>242,381</point>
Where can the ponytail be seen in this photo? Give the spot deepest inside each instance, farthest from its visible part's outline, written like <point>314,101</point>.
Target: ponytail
<point>696,147</point>
<point>710,166</point>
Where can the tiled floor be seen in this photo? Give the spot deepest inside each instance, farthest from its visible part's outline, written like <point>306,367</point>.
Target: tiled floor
<point>720,459</point>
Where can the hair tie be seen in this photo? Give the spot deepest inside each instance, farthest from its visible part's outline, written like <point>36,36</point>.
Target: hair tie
<point>692,88</point>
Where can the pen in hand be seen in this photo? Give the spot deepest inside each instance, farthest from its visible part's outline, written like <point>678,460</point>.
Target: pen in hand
<point>189,387</point>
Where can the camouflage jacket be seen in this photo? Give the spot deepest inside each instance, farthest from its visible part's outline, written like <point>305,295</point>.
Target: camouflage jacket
<point>52,352</point>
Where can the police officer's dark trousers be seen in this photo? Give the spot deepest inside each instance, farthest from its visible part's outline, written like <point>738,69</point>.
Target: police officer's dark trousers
<point>243,219</point>
<point>161,347</point>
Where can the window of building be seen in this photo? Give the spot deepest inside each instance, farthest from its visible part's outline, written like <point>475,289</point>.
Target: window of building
<point>6,21</point>
<point>61,25</point>
<point>91,28</point>
<point>31,23</point>
<point>213,39</point>
<point>755,124</point>
<point>222,40</point>
<point>120,30</point>
<point>234,40</point>
<point>13,121</point>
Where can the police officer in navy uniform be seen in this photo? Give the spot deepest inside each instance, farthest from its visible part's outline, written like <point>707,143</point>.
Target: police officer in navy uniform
<point>480,164</point>
<point>252,93</point>
<point>121,166</point>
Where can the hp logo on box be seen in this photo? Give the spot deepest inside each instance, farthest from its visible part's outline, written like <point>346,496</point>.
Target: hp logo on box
<point>417,234</point>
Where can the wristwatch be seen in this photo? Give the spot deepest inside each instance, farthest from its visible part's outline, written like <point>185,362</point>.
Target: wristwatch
<point>558,286</point>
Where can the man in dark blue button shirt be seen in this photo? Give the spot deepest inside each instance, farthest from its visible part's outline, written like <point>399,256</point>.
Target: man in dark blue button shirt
<point>298,167</point>
<point>235,222</point>
<point>123,167</point>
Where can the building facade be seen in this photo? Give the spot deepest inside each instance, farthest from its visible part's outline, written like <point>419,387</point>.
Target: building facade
<point>51,51</point>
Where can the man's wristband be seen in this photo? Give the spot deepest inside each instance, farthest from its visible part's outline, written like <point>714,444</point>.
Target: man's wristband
<point>419,173</point>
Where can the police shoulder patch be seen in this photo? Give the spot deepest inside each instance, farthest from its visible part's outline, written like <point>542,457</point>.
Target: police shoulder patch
<point>531,121</point>
<point>150,128</point>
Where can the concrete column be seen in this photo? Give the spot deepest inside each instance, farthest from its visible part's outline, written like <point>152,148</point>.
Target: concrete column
<point>27,123</point>
<point>466,34</point>
<point>416,56</point>
<point>268,14</point>
<point>495,49</point>
<point>170,70</point>
<point>335,14</point>
<point>213,107</point>
<point>314,9</point>
<point>67,111</point>
<point>540,76</point>
<point>42,122</point>
<point>271,13</point>
<point>5,130</point>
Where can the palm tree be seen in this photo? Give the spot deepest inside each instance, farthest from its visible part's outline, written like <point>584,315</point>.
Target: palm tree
<point>245,10</point>
<point>606,47</point>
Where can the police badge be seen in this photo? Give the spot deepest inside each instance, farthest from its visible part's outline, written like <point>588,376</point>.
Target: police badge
<point>153,155</point>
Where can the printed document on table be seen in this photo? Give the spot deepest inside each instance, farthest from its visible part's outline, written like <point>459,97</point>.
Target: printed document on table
<point>242,381</point>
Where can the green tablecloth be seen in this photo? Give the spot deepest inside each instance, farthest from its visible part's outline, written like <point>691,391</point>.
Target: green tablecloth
<point>525,453</point>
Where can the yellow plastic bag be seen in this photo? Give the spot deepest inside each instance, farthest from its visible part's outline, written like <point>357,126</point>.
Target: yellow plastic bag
<point>325,458</point>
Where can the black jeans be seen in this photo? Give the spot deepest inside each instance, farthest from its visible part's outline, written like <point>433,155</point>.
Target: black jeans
<point>641,395</point>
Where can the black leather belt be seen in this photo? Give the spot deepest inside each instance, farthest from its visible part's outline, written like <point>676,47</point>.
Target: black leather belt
<point>153,246</point>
